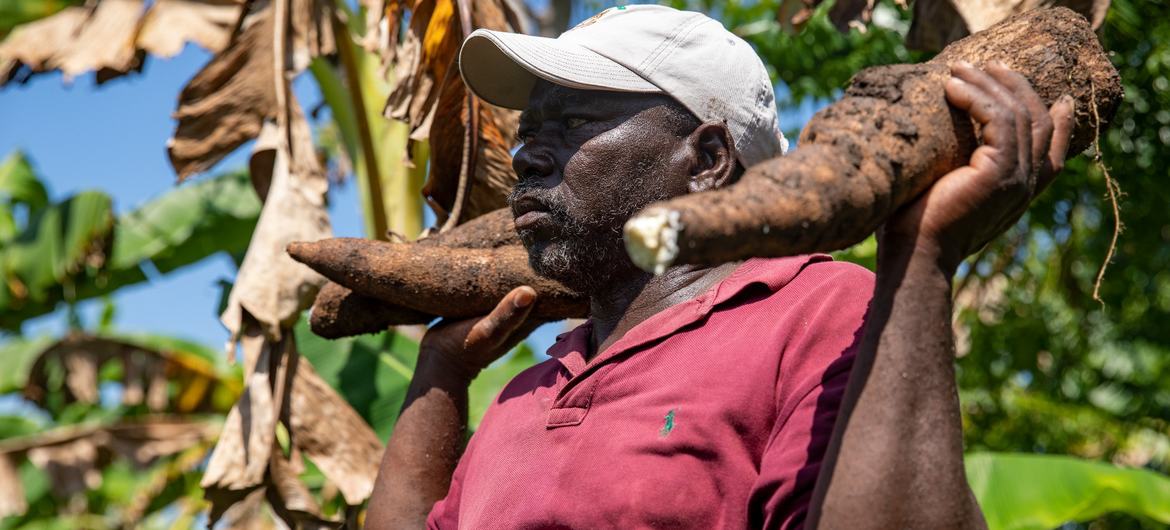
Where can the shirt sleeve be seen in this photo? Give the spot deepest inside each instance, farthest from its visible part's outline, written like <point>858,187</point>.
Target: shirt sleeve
<point>814,370</point>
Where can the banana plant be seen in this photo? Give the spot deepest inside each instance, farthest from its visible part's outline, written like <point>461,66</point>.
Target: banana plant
<point>76,248</point>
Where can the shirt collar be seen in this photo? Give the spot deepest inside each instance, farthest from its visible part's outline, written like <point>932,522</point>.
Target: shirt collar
<point>774,273</point>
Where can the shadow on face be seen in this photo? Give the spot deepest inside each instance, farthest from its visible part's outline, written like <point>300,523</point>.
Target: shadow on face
<point>590,160</point>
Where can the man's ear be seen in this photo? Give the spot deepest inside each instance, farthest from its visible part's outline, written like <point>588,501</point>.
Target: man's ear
<point>713,163</point>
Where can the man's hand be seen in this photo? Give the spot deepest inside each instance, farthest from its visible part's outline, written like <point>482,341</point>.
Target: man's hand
<point>899,418</point>
<point>1024,145</point>
<point>428,439</point>
<point>468,346</point>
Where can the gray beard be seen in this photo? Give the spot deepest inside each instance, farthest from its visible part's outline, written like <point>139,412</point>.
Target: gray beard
<point>583,261</point>
<point>588,253</point>
<point>585,255</point>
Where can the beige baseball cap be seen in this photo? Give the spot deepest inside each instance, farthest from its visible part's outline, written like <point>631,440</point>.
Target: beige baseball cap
<point>638,48</point>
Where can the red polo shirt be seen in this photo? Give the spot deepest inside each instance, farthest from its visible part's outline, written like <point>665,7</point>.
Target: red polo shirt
<point>714,413</point>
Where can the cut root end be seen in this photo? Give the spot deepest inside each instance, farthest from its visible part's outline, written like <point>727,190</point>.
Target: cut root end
<point>652,239</point>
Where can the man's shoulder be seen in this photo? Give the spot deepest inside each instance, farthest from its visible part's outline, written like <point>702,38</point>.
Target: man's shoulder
<point>843,275</point>
<point>815,277</point>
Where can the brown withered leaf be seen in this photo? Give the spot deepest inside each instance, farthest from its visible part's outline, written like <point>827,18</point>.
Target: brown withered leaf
<point>36,46</point>
<point>112,37</point>
<point>270,286</point>
<point>430,97</point>
<point>169,24</point>
<point>12,501</point>
<point>331,434</point>
<point>239,460</point>
<point>82,356</point>
<point>227,103</point>
<point>248,514</point>
<point>158,478</point>
<point>142,443</point>
<point>844,14</point>
<point>77,40</point>
<point>383,22</point>
<point>321,426</point>
<point>493,177</point>
<point>271,289</point>
<point>939,22</point>
<point>290,499</point>
<point>73,456</point>
<point>105,41</point>
<point>81,375</point>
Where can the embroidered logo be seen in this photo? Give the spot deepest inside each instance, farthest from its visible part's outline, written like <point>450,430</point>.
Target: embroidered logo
<point>667,424</point>
<point>589,21</point>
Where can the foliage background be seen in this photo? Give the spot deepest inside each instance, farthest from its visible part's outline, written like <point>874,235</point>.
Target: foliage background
<point>1043,369</point>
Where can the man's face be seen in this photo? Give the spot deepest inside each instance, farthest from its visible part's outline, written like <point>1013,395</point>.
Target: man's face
<point>590,160</point>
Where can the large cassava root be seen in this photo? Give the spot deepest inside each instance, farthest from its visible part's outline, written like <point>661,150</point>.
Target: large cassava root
<point>434,279</point>
<point>339,311</point>
<point>880,146</point>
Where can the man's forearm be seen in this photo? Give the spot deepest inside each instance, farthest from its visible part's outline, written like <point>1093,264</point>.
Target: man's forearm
<point>895,458</point>
<point>423,450</point>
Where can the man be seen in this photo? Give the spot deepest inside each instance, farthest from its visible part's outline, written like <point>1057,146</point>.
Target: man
<point>778,393</point>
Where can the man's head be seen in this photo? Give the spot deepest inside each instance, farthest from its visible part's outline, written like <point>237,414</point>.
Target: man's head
<point>635,105</point>
<point>590,160</point>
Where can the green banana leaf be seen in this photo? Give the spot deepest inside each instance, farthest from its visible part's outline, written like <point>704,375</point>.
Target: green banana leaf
<point>372,372</point>
<point>188,224</point>
<point>19,183</point>
<point>58,243</point>
<point>75,249</point>
<point>19,355</point>
<point>16,12</point>
<point>1032,491</point>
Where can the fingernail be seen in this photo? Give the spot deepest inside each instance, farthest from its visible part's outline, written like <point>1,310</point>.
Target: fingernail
<point>1067,99</point>
<point>964,64</point>
<point>523,299</point>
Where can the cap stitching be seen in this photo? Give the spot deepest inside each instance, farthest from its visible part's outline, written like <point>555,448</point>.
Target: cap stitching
<point>684,31</point>
<point>671,38</point>
<point>613,74</point>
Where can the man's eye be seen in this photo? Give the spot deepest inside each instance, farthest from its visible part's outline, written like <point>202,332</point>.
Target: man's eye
<point>573,123</point>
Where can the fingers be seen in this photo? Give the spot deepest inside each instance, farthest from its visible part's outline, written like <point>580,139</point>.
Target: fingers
<point>1041,122</point>
<point>1063,117</point>
<point>493,330</point>
<point>994,108</point>
<point>999,136</point>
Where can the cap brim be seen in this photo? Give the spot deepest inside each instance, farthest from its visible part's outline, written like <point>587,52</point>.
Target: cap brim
<point>501,68</point>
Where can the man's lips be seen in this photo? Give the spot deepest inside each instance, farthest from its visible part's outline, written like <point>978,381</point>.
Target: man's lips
<point>529,212</point>
<point>531,218</point>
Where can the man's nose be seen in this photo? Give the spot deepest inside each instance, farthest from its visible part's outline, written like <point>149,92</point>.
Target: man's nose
<point>533,164</point>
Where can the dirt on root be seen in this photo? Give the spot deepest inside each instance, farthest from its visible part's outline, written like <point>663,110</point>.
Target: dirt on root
<point>886,141</point>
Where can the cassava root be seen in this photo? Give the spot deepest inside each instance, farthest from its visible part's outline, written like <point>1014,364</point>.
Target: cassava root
<point>339,311</point>
<point>884,143</point>
<point>437,280</point>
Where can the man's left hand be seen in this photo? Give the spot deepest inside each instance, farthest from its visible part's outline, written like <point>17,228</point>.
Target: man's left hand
<point>1024,145</point>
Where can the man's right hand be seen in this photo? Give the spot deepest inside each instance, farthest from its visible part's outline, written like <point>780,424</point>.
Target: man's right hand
<point>468,346</point>
<point>424,448</point>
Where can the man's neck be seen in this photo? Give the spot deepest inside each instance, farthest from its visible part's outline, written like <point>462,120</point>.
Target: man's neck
<point>631,299</point>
